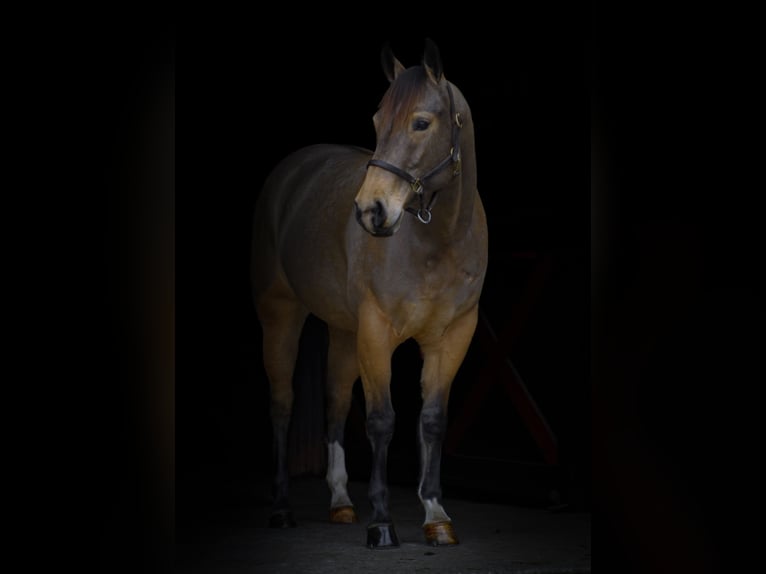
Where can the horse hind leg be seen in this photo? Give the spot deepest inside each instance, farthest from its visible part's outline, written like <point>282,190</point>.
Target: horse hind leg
<point>282,320</point>
<point>342,372</point>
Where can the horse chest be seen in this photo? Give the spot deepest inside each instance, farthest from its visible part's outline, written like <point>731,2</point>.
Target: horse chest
<point>442,289</point>
<point>449,282</point>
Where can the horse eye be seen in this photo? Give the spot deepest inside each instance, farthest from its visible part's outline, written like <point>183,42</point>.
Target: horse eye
<point>420,125</point>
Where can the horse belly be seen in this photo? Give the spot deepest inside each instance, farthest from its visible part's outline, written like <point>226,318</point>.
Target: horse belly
<point>318,281</point>
<point>313,199</point>
<point>314,257</point>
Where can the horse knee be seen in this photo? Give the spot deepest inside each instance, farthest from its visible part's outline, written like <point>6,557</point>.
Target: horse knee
<point>281,406</point>
<point>380,425</point>
<point>433,423</point>
<point>337,413</point>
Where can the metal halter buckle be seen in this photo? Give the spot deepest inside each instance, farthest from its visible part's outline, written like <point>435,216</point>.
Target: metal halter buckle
<point>458,166</point>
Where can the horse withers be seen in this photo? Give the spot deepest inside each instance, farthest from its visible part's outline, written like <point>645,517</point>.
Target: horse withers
<point>384,247</point>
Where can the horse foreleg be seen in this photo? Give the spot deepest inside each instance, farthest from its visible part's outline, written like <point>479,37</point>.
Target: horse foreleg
<point>441,360</point>
<point>282,321</point>
<point>342,372</point>
<point>375,346</point>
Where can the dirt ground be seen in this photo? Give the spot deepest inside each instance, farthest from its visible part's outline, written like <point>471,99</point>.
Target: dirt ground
<point>493,538</point>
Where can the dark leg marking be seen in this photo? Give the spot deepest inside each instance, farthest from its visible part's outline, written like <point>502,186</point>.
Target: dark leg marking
<point>281,515</point>
<point>433,426</point>
<point>380,429</point>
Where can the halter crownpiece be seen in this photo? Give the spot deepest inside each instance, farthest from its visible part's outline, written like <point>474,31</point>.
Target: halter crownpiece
<point>423,213</point>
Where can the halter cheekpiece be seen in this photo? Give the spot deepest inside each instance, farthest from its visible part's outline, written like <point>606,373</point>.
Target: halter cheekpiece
<point>423,213</point>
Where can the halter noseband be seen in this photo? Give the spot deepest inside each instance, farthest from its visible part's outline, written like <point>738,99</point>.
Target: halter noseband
<point>416,183</point>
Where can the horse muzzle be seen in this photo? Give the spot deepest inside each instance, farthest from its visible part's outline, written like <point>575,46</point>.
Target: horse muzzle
<point>376,220</point>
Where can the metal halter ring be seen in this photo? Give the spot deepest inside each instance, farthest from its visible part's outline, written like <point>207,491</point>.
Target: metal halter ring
<point>424,219</point>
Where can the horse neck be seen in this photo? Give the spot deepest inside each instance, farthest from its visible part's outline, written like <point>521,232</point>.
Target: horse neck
<point>453,211</point>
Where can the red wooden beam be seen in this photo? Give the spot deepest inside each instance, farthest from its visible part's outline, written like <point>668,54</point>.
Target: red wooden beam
<point>499,369</point>
<point>525,405</point>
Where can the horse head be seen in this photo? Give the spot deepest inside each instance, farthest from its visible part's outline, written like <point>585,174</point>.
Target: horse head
<point>417,132</point>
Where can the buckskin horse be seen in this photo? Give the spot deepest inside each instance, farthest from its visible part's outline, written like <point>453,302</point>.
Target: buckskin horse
<point>384,247</point>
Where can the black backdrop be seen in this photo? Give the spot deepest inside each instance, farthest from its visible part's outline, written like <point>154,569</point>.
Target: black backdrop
<point>247,99</point>
<point>167,132</point>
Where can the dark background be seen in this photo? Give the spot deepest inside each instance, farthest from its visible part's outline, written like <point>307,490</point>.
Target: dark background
<point>156,144</point>
<point>677,287</point>
<point>248,99</point>
<point>252,100</point>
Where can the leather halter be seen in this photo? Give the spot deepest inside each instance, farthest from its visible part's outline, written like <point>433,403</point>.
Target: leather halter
<point>417,183</point>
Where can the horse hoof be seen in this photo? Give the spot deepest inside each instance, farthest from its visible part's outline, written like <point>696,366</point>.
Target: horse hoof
<point>382,535</point>
<point>282,519</point>
<point>343,515</point>
<point>440,533</point>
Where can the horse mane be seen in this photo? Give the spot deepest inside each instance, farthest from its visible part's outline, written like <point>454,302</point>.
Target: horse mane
<point>400,98</point>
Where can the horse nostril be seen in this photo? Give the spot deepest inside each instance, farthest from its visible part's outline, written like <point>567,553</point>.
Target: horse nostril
<point>378,214</point>
<point>375,215</point>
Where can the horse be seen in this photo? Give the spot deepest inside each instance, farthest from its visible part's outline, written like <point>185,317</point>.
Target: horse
<point>383,246</point>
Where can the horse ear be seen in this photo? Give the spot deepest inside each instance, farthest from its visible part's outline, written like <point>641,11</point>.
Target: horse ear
<point>391,66</point>
<point>432,61</point>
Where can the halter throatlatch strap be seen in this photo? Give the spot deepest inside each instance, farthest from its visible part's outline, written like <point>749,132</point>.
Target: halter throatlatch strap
<point>423,213</point>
